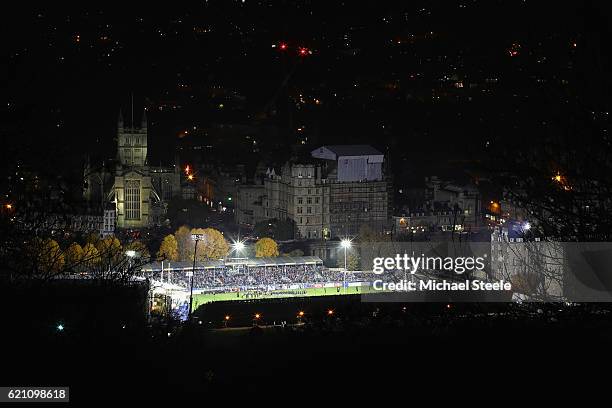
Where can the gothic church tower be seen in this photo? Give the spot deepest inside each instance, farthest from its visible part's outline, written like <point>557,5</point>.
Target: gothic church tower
<point>133,190</point>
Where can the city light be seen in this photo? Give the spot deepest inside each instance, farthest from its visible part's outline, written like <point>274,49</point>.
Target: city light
<point>562,181</point>
<point>131,253</point>
<point>301,313</point>
<point>60,327</point>
<point>227,317</point>
<point>257,316</point>
<point>190,177</point>
<point>345,243</point>
<point>282,46</point>
<point>238,246</point>
<point>526,226</point>
<point>514,49</point>
<point>330,312</point>
<point>303,51</point>
<point>9,206</point>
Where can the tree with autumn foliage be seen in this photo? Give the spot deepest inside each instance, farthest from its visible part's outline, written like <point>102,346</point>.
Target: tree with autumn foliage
<point>46,258</point>
<point>266,247</point>
<point>168,250</point>
<point>73,256</point>
<point>212,246</point>
<point>91,256</point>
<point>110,249</point>
<point>184,243</point>
<point>352,261</point>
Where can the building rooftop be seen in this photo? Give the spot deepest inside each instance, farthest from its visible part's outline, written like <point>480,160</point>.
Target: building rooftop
<point>349,150</point>
<point>219,263</point>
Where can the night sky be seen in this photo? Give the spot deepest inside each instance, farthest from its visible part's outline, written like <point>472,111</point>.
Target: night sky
<point>419,80</point>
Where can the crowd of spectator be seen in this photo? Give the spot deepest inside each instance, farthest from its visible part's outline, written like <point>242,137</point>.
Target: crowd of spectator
<point>260,276</point>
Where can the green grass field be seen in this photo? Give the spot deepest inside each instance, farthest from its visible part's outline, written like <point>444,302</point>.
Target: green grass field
<point>201,299</point>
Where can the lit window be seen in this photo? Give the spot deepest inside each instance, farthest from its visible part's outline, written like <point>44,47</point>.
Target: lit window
<point>132,199</point>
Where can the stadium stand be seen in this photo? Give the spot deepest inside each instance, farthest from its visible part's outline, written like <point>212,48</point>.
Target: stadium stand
<point>250,273</point>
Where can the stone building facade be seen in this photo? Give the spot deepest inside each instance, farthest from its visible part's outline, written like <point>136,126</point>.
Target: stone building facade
<point>334,194</point>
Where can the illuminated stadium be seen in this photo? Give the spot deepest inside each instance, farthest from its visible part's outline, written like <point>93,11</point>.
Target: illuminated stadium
<point>252,278</point>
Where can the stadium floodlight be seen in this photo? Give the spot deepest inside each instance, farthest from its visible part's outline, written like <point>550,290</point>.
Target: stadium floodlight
<point>238,246</point>
<point>345,243</point>
<point>197,238</point>
<point>131,254</point>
